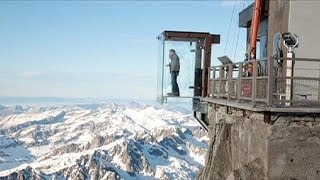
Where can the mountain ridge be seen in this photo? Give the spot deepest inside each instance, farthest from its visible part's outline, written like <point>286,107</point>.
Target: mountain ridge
<point>105,141</point>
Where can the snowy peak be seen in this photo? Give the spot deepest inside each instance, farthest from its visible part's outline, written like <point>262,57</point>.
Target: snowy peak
<point>105,141</point>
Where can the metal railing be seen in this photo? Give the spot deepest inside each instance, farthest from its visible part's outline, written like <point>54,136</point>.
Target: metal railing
<point>254,82</point>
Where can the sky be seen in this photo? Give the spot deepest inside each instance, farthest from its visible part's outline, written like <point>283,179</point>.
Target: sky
<point>100,49</point>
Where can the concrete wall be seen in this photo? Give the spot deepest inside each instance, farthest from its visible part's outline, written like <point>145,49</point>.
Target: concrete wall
<point>278,20</point>
<point>304,21</point>
<point>243,146</point>
<point>301,18</point>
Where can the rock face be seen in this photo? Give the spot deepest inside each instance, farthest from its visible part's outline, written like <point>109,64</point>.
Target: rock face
<point>294,148</point>
<point>105,141</point>
<point>243,146</point>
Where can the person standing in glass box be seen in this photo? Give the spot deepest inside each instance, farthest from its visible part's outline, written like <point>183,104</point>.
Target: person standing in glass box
<point>174,71</point>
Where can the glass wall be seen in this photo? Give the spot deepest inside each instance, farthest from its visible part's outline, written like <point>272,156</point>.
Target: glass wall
<point>186,52</point>
<point>160,73</point>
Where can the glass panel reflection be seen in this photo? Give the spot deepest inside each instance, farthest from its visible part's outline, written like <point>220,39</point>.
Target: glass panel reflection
<point>160,72</point>
<point>185,79</point>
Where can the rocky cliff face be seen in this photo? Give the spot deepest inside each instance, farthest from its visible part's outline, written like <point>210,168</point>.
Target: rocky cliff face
<point>105,141</point>
<point>243,146</point>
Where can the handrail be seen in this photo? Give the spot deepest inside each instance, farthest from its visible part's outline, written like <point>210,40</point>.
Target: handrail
<point>265,86</point>
<point>301,59</point>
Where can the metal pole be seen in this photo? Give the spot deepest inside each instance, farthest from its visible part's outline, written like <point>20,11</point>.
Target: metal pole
<point>162,76</point>
<point>213,80</point>
<point>207,64</point>
<point>319,84</point>
<point>254,82</point>
<point>239,87</point>
<point>255,29</point>
<point>289,74</point>
<point>230,71</point>
<point>220,80</point>
<point>271,80</point>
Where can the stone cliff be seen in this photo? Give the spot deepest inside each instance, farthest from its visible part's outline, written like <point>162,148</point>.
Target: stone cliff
<point>244,146</point>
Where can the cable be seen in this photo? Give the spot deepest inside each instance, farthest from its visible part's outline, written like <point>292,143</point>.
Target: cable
<point>238,35</point>
<point>234,7</point>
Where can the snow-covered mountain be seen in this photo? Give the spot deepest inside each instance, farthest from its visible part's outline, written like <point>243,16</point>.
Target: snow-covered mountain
<point>100,141</point>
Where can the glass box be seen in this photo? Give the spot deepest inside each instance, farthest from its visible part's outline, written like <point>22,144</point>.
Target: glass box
<point>194,52</point>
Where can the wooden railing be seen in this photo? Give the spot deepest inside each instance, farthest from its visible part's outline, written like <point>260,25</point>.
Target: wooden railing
<point>254,82</point>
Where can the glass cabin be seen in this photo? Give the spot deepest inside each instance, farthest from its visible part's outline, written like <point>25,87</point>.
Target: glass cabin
<point>194,52</point>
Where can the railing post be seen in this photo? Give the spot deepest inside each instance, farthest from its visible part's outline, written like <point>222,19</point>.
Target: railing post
<point>239,88</point>
<point>289,74</point>
<point>319,84</point>
<point>230,74</point>
<point>254,82</point>
<point>271,81</point>
<point>209,82</point>
<point>213,80</point>
<point>220,80</point>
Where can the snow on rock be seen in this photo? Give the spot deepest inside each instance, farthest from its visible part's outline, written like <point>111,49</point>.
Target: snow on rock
<point>12,153</point>
<point>100,141</point>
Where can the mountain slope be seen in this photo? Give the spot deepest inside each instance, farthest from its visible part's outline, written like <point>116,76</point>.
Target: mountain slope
<point>100,141</point>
